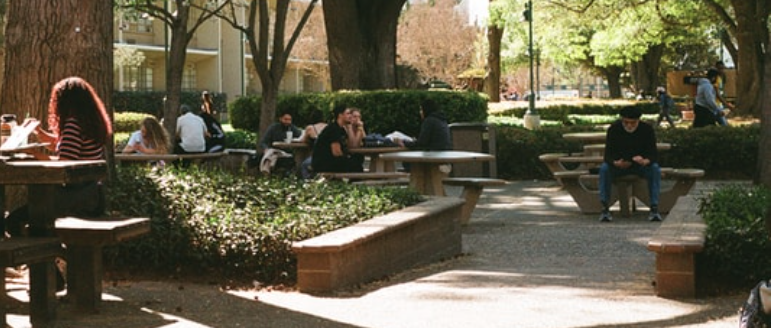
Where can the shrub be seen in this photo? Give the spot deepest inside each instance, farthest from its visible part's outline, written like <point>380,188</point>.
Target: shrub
<point>239,226</point>
<point>383,111</point>
<point>152,102</point>
<point>737,245</point>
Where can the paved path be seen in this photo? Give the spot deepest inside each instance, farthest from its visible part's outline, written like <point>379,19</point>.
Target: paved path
<point>531,259</point>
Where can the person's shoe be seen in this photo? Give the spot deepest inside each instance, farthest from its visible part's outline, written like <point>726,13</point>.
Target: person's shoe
<point>654,216</point>
<point>605,216</point>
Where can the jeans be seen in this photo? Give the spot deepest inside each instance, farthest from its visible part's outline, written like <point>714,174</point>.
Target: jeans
<point>651,173</point>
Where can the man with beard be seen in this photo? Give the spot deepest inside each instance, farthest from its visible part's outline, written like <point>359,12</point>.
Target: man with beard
<point>631,148</point>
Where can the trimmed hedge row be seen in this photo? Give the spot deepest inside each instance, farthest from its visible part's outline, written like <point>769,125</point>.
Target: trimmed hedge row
<point>382,111</point>
<point>723,152</point>
<point>152,102</point>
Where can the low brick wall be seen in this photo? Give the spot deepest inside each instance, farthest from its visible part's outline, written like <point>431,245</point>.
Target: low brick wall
<point>676,242</point>
<point>420,234</point>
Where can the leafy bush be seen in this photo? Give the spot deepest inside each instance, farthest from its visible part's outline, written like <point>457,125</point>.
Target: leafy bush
<point>240,226</point>
<point>709,148</point>
<point>152,102</point>
<point>382,111</point>
<point>128,121</point>
<point>737,245</point>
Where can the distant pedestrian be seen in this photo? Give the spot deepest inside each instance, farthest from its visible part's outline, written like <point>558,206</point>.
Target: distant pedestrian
<point>666,105</point>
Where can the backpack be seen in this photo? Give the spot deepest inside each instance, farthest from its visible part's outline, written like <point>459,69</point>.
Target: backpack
<point>752,314</point>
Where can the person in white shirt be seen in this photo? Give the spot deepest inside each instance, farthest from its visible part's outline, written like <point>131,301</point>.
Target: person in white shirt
<point>191,132</point>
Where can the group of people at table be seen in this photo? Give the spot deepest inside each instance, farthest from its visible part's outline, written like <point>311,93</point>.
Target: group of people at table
<point>331,143</point>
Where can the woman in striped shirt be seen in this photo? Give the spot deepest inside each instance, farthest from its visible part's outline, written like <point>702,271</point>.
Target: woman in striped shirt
<point>80,126</point>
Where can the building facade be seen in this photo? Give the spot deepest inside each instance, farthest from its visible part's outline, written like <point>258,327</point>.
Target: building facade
<point>218,60</point>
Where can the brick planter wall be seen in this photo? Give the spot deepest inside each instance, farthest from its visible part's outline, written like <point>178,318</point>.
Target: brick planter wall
<point>420,234</point>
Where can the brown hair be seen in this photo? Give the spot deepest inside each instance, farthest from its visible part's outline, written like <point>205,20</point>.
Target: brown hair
<point>73,97</point>
<point>156,136</point>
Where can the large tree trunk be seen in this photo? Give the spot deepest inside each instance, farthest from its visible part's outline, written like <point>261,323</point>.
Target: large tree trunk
<point>763,165</point>
<point>362,43</point>
<point>646,71</point>
<point>175,67</point>
<point>753,47</point>
<point>48,40</point>
<point>493,78</point>
<point>612,76</point>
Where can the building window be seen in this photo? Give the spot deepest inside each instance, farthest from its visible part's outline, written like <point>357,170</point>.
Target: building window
<point>137,78</point>
<point>189,81</point>
<point>144,25</point>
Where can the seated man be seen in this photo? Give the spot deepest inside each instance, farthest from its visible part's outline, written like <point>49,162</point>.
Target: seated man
<point>331,148</point>
<point>276,132</point>
<point>631,148</point>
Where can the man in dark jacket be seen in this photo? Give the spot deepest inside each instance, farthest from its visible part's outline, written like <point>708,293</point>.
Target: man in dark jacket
<point>631,148</point>
<point>435,134</point>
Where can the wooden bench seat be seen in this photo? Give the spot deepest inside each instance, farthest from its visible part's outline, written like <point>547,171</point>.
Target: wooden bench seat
<point>676,242</point>
<point>582,186</point>
<point>552,163</point>
<point>473,188</point>
<point>361,176</point>
<point>26,250</point>
<point>383,182</point>
<point>85,239</point>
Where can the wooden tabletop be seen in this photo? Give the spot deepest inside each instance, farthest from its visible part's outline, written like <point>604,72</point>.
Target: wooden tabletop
<point>444,156</point>
<point>51,172</point>
<point>290,145</point>
<point>375,150</point>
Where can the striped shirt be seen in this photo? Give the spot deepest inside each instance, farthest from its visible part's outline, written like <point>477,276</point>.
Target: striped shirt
<point>73,145</point>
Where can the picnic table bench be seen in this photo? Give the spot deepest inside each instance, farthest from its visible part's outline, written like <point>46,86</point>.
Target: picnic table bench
<point>473,188</point>
<point>85,239</point>
<point>582,186</point>
<point>196,158</point>
<point>363,176</point>
<point>676,242</point>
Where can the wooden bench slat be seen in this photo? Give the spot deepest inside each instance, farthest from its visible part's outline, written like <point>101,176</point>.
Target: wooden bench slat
<point>26,250</point>
<point>100,231</point>
<point>355,176</point>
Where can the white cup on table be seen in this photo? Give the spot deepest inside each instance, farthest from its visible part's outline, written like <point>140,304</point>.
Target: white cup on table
<point>288,139</point>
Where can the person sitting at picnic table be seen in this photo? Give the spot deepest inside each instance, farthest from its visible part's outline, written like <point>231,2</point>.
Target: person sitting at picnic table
<point>434,134</point>
<point>356,134</point>
<point>331,149</point>
<point>631,148</point>
<point>310,135</point>
<point>277,132</point>
<point>151,138</point>
<point>191,132</point>
<point>215,139</point>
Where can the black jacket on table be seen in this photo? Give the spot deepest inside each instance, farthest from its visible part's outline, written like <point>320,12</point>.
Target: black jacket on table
<point>621,144</point>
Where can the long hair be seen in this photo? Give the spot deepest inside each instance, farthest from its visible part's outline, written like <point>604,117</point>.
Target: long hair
<point>207,106</point>
<point>155,135</point>
<point>73,97</point>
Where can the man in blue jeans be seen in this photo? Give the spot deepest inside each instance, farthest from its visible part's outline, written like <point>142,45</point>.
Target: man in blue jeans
<point>631,148</point>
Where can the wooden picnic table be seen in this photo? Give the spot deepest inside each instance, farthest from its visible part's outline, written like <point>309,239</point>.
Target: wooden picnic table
<point>301,151</point>
<point>586,137</point>
<point>425,174</point>
<point>42,179</point>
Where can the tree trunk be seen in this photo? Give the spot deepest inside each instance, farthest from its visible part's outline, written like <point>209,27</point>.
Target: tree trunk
<point>175,68</point>
<point>362,43</point>
<point>612,76</point>
<point>753,47</point>
<point>49,40</point>
<point>763,167</point>
<point>493,78</point>
<point>646,71</point>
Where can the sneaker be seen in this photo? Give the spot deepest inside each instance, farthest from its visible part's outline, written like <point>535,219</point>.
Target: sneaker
<point>654,216</point>
<point>605,216</point>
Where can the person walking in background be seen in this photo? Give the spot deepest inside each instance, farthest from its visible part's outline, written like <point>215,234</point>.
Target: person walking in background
<point>666,105</point>
<point>631,148</point>
<point>706,109</point>
<point>151,138</point>
<point>718,86</point>
<point>215,140</point>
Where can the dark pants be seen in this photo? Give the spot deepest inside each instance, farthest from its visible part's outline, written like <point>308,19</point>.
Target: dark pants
<point>703,117</point>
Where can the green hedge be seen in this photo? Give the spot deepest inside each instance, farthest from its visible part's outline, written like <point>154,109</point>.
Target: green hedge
<point>567,113</point>
<point>737,243</point>
<point>723,152</point>
<point>382,111</point>
<point>238,226</point>
<point>151,102</point>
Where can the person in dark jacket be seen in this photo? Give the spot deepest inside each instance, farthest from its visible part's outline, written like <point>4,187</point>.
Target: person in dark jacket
<point>435,134</point>
<point>631,148</point>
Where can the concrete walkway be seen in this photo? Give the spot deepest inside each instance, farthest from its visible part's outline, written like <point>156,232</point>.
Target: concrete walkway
<point>531,259</point>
